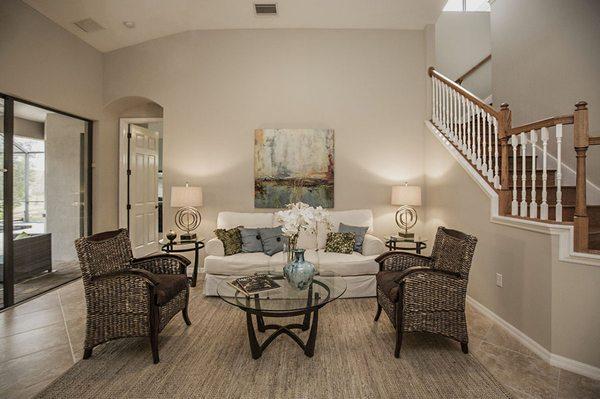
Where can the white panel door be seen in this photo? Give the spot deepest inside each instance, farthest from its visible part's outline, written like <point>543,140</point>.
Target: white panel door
<point>143,190</point>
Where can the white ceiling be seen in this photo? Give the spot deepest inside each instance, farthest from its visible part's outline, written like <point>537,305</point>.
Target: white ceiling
<point>158,18</point>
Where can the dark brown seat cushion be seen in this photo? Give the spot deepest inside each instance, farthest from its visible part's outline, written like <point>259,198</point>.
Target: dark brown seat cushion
<point>169,285</point>
<point>385,281</point>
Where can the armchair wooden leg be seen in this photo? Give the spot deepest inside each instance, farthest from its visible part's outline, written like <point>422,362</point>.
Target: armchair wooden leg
<point>154,321</point>
<point>465,347</point>
<point>378,312</point>
<point>398,331</point>
<point>87,353</point>
<point>184,312</point>
<point>186,318</point>
<point>398,342</point>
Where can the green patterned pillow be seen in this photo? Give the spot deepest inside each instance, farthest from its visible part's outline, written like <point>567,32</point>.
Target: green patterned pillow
<point>232,240</point>
<point>342,243</point>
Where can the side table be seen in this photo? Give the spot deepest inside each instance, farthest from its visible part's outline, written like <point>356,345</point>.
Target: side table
<point>397,245</point>
<point>178,246</point>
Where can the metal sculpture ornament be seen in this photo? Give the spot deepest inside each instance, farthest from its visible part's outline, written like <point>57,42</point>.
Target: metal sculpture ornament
<point>406,217</point>
<point>188,218</point>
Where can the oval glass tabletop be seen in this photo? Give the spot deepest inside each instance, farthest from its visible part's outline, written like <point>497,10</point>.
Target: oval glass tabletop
<point>324,289</point>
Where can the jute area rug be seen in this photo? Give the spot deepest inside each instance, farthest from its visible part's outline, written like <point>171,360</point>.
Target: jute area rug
<point>211,359</point>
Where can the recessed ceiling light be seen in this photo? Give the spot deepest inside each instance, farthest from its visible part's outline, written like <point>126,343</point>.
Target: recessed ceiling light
<point>129,24</point>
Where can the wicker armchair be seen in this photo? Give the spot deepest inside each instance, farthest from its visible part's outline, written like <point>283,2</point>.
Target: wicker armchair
<point>129,297</point>
<point>421,293</point>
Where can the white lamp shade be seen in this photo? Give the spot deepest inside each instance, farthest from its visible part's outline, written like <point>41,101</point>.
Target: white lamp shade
<point>406,195</point>
<point>186,196</point>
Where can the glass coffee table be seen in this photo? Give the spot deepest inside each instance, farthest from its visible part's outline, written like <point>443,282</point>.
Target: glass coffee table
<point>285,301</point>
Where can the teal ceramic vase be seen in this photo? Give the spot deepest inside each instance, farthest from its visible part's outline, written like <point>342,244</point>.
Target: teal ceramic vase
<point>299,273</point>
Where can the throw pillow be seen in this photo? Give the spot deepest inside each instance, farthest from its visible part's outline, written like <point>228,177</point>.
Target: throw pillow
<point>342,243</point>
<point>272,240</point>
<point>251,240</point>
<point>232,240</point>
<point>358,231</point>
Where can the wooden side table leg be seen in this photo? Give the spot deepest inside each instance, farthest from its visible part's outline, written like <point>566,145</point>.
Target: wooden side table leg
<point>195,272</point>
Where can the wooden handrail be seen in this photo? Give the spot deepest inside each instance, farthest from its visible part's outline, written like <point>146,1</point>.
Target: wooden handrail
<point>490,110</point>
<point>549,122</point>
<point>595,140</point>
<point>472,70</point>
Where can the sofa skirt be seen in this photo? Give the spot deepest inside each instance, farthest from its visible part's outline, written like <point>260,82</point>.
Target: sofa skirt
<point>358,286</point>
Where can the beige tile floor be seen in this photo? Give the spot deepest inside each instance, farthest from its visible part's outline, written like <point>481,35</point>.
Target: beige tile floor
<point>41,339</point>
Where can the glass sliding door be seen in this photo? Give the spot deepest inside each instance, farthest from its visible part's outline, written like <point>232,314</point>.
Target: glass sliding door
<point>45,203</point>
<point>6,283</point>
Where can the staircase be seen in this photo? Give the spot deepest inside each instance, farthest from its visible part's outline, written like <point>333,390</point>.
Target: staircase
<point>515,160</point>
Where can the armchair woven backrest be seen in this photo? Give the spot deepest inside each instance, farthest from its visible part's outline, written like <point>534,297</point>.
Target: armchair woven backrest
<point>453,251</point>
<point>104,253</point>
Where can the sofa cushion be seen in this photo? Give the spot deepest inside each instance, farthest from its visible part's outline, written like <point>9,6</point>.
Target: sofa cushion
<point>232,240</point>
<point>278,260</point>
<point>272,240</point>
<point>342,243</point>
<point>386,282</point>
<point>237,265</point>
<point>359,234</point>
<point>169,285</point>
<point>347,264</point>
<point>228,220</point>
<point>359,217</point>
<point>373,246</point>
<point>251,240</point>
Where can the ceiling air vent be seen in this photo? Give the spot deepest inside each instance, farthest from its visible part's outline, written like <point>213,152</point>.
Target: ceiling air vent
<point>266,9</point>
<point>89,25</point>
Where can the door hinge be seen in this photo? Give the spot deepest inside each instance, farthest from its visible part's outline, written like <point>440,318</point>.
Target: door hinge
<point>128,135</point>
<point>128,207</point>
<point>128,172</point>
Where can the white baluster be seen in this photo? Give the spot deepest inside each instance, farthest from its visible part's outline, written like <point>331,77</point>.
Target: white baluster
<point>490,164</point>
<point>468,130</point>
<point>488,118</point>
<point>496,175</point>
<point>461,125</point>
<point>434,94</point>
<point>524,174</point>
<point>447,113</point>
<point>533,213</point>
<point>474,139</point>
<point>544,204</point>
<point>559,134</point>
<point>483,162</point>
<point>515,203</point>
<point>481,159</point>
<point>453,116</point>
<point>476,133</point>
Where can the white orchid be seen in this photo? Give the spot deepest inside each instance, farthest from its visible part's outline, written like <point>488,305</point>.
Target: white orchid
<point>300,216</point>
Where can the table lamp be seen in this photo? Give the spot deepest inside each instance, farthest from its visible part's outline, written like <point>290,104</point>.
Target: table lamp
<point>187,217</point>
<point>406,217</point>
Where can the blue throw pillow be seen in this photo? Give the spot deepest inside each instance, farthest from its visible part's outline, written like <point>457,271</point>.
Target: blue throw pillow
<point>251,240</point>
<point>359,233</point>
<point>272,240</point>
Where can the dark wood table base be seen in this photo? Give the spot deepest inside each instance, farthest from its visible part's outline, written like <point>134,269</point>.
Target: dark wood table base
<point>308,347</point>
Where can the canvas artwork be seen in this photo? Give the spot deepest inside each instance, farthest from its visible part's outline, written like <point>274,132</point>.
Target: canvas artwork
<point>293,165</point>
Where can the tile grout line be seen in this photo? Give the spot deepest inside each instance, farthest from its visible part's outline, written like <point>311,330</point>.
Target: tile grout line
<point>62,311</point>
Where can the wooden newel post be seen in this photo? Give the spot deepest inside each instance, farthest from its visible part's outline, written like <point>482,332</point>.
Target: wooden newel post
<point>581,140</point>
<point>504,126</point>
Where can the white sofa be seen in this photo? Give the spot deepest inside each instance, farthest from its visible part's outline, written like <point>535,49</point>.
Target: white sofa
<point>357,269</point>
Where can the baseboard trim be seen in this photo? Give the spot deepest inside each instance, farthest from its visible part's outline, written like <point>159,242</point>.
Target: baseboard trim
<point>555,360</point>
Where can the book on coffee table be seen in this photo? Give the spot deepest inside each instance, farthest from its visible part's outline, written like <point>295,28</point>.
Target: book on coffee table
<point>254,284</point>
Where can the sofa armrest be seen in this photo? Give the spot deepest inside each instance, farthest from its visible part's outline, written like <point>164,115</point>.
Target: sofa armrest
<point>373,246</point>
<point>215,247</point>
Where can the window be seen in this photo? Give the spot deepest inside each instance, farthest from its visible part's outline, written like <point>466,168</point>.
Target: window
<point>467,5</point>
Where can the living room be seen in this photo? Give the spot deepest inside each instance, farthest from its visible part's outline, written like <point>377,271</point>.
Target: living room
<point>220,94</point>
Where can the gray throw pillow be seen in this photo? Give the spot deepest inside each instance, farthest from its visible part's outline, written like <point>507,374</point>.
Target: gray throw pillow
<point>251,240</point>
<point>272,240</point>
<point>359,233</point>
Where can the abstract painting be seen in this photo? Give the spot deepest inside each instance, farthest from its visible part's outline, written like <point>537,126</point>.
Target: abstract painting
<point>293,165</point>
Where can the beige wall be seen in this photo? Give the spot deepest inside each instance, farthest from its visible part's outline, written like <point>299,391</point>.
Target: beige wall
<point>462,40</point>
<point>43,63</point>
<point>546,55</point>
<point>216,87</point>
<point>550,301</point>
